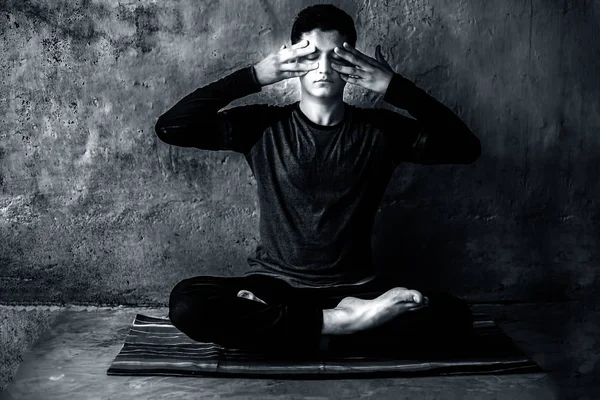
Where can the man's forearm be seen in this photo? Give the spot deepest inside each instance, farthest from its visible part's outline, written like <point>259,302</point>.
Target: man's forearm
<point>445,137</point>
<point>193,122</point>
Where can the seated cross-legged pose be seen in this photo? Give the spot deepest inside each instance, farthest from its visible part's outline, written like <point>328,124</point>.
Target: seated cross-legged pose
<point>321,167</point>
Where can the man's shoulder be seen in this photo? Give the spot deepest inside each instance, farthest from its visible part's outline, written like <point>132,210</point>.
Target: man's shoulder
<point>371,110</point>
<point>259,111</point>
<point>261,105</point>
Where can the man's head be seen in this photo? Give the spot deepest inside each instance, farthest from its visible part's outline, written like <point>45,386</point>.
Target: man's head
<point>327,27</point>
<point>325,17</point>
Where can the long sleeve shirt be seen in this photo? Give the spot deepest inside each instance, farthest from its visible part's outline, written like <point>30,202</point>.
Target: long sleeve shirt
<point>319,187</point>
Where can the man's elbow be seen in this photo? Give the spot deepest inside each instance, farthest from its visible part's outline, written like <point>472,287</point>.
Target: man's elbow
<point>162,130</point>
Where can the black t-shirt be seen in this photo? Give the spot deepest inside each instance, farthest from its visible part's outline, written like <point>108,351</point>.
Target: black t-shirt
<point>319,187</point>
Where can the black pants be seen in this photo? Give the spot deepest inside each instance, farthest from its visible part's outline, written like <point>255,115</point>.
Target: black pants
<point>207,309</point>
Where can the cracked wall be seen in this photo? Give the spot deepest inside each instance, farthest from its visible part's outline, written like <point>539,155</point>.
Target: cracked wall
<point>95,209</point>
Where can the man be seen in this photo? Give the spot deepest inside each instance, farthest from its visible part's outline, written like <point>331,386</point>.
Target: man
<point>322,167</point>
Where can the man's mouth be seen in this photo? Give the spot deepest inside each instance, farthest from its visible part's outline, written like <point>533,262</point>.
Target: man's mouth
<point>324,80</point>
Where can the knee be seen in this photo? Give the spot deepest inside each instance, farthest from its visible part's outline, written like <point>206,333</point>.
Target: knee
<point>178,308</point>
<point>178,314</point>
<point>193,299</point>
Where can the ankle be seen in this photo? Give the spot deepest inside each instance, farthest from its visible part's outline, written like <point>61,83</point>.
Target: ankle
<point>335,322</point>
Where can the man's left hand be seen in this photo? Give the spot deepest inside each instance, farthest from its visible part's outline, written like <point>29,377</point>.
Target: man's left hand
<point>370,73</point>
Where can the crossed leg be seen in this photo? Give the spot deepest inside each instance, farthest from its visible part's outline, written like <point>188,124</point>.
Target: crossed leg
<point>352,314</point>
<point>266,313</point>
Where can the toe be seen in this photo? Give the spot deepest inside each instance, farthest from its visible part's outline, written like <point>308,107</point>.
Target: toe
<point>416,296</point>
<point>403,295</point>
<point>244,294</point>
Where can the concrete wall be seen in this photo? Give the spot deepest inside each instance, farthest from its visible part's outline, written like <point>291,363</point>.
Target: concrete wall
<point>95,209</point>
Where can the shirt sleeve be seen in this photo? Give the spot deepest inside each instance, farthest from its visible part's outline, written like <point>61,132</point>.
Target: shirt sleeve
<point>436,135</point>
<point>196,120</point>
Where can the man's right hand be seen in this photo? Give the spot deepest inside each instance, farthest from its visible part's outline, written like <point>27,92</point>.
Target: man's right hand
<point>283,64</point>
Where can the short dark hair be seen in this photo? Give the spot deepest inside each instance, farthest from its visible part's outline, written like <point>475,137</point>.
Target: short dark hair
<point>325,17</point>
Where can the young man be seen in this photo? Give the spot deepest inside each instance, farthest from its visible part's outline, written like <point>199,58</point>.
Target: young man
<point>322,167</point>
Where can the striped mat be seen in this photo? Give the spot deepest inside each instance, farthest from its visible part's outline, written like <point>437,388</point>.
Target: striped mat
<point>154,347</point>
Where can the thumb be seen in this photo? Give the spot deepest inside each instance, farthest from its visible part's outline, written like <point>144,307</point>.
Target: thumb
<point>378,54</point>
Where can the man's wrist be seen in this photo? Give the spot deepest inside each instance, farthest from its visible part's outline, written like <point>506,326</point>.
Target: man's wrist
<point>394,83</point>
<point>255,76</point>
<point>401,92</point>
<point>386,84</point>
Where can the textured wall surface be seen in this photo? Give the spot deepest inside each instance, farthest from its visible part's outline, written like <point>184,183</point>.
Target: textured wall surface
<point>95,209</point>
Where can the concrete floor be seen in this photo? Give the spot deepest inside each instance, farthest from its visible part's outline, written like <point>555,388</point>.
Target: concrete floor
<point>70,361</point>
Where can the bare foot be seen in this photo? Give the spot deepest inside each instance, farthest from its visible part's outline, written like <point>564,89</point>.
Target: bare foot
<point>353,314</point>
<point>246,294</point>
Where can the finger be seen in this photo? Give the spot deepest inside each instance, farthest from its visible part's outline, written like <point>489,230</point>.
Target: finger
<point>378,54</point>
<point>289,51</point>
<point>360,57</point>
<point>381,58</point>
<point>350,79</point>
<point>300,44</point>
<point>359,54</point>
<point>290,54</point>
<point>293,74</point>
<point>348,70</point>
<point>298,66</point>
<point>352,58</point>
<point>304,51</point>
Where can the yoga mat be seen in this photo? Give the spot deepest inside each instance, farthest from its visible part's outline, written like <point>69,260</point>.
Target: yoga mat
<point>154,347</point>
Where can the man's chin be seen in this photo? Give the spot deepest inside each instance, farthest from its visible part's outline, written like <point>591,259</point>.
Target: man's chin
<point>325,93</point>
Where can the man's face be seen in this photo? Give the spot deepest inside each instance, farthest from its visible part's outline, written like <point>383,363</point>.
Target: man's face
<point>323,82</point>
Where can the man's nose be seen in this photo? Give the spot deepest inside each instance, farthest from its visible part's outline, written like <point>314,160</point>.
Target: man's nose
<point>325,65</point>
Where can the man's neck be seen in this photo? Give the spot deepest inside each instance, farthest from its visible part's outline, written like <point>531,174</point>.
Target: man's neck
<point>322,111</point>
